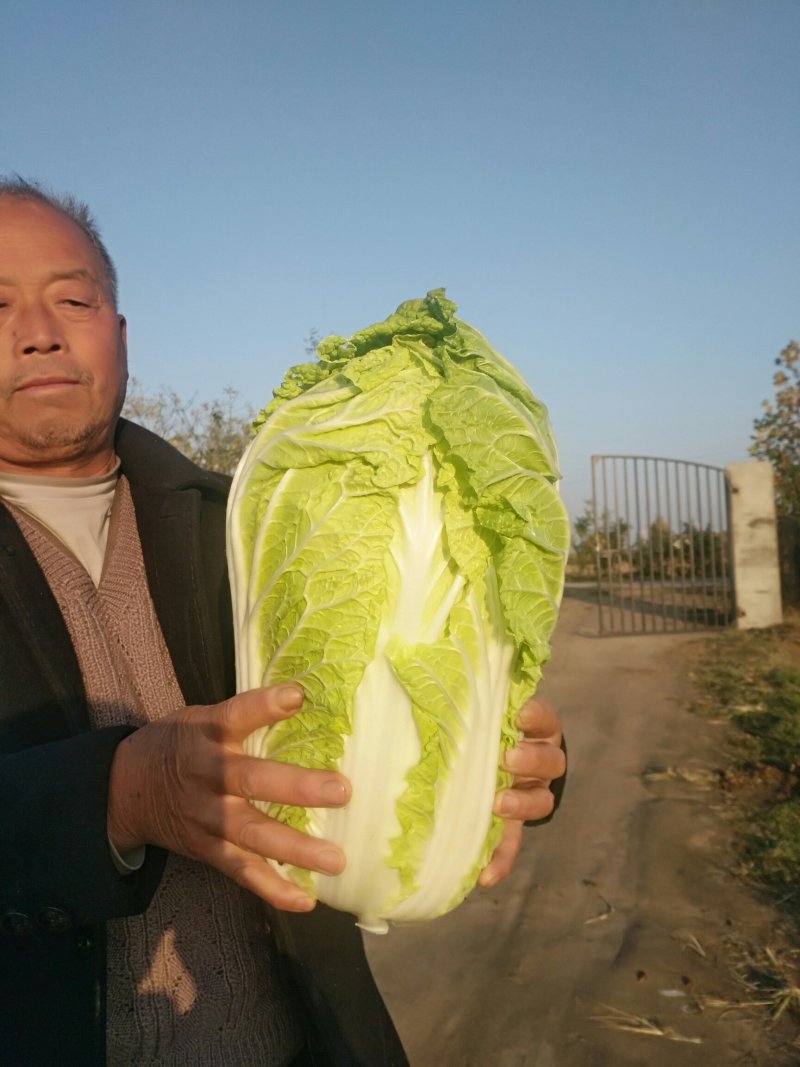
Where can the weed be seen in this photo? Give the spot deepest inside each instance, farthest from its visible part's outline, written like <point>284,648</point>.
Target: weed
<point>772,849</point>
<point>752,680</point>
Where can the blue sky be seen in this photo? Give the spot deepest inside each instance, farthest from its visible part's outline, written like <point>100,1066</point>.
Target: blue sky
<point>608,190</point>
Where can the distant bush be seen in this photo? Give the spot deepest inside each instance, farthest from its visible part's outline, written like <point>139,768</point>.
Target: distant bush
<point>212,433</point>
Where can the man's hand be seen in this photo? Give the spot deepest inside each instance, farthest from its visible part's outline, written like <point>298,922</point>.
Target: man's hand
<point>183,782</point>
<point>535,762</point>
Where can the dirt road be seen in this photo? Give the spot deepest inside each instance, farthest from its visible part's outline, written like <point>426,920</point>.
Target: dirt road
<point>624,903</point>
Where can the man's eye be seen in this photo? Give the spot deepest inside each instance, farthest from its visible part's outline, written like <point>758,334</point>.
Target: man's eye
<point>75,303</point>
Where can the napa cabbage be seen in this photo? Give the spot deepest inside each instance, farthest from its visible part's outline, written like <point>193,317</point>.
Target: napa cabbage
<point>397,546</point>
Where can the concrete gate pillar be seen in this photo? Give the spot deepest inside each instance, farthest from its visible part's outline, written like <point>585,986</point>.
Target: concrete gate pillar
<point>754,545</point>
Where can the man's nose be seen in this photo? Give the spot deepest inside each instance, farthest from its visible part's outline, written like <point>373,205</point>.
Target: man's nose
<point>38,331</point>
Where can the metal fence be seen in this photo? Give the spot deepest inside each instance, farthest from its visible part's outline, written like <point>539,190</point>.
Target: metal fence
<point>662,545</point>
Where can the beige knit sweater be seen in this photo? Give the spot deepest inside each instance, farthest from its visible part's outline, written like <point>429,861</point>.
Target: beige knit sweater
<point>192,981</point>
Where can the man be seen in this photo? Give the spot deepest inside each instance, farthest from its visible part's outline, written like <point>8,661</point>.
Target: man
<point>131,859</point>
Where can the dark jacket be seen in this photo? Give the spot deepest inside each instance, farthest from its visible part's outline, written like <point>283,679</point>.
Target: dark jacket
<point>57,881</point>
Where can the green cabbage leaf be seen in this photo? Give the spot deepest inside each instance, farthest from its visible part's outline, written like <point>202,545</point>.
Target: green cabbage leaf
<point>397,545</point>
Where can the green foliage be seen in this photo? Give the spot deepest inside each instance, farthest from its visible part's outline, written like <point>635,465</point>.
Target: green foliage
<point>691,551</point>
<point>752,678</point>
<point>773,849</point>
<point>212,433</point>
<point>590,541</point>
<point>659,552</point>
<point>777,432</point>
<point>731,674</point>
<point>582,548</point>
<point>777,727</point>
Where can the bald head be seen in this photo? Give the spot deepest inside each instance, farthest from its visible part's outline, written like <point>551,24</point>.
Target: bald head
<point>70,207</point>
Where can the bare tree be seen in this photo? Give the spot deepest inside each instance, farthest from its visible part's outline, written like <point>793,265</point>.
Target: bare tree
<point>212,433</point>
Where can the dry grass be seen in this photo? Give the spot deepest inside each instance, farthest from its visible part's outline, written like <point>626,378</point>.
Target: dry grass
<point>701,777</point>
<point>608,907</point>
<point>770,978</point>
<point>768,999</point>
<point>616,1019</point>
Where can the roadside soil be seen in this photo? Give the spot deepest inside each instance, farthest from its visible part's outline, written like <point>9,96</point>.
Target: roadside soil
<point>623,911</point>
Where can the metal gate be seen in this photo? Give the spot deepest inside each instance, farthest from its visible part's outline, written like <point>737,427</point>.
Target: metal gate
<point>662,545</point>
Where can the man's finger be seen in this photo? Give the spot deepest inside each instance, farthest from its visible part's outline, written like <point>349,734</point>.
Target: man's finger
<point>250,830</point>
<point>536,759</point>
<point>538,721</point>
<point>527,804</point>
<point>240,715</point>
<point>503,856</point>
<point>257,876</point>
<point>281,783</point>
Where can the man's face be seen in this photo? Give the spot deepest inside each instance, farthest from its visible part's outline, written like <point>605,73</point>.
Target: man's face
<point>63,358</point>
